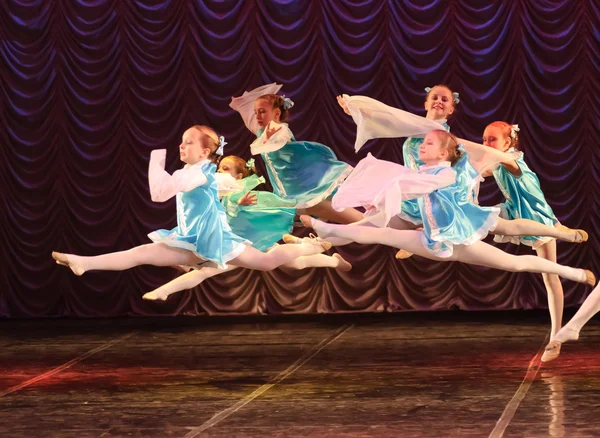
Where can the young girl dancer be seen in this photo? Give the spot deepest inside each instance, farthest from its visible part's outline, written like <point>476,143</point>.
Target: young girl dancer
<point>258,216</point>
<point>202,233</point>
<point>524,199</point>
<point>377,120</point>
<point>306,171</point>
<point>453,226</point>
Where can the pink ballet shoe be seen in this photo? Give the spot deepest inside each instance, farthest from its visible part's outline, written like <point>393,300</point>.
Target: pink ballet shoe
<point>590,277</point>
<point>306,221</point>
<point>63,260</point>
<point>552,351</point>
<point>343,265</point>
<point>289,238</point>
<point>403,254</point>
<point>315,240</point>
<point>155,296</point>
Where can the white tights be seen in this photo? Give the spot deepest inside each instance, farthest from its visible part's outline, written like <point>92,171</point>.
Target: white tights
<point>480,253</point>
<point>591,306</point>
<point>160,254</point>
<point>554,288</point>
<point>208,270</point>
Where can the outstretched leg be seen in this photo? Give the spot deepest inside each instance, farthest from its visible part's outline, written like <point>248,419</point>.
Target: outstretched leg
<point>409,240</point>
<point>335,241</point>
<point>526,227</point>
<point>279,255</point>
<point>335,261</point>
<point>396,223</point>
<point>186,281</point>
<point>157,254</point>
<point>193,278</point>
<point>324,211</point>
<point>480,253</point>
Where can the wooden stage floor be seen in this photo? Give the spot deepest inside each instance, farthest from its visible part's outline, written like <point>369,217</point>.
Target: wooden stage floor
<point>450,374</point>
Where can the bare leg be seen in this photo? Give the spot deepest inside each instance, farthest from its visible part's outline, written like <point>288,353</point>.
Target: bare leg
<point>186,281</point>
<point>526,227</point>
<point>480,253</point>
<point>157,254</point>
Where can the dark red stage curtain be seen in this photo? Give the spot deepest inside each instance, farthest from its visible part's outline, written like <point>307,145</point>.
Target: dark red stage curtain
<point>89,88</point>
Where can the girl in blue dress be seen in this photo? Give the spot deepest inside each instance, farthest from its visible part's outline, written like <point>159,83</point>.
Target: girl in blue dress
<point>440,103</point>
<point>525,199</point>
<point>306,171</point>
<point>377,120</point>
<point>202,233</point>
<point>258,216</point>
<point>452,225</point>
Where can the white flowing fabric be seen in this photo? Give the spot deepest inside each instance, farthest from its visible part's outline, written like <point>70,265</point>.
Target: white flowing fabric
<point>227,184</point>
<point>376,120</point>
<point>283,136</point>
<point>379,186</point>
<point>244,104</point>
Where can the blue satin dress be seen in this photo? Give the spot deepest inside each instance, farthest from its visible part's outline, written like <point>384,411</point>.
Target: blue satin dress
<point>202,225</point>
<point>524,200</point>
<point>263,223</point>
<point>450,218</point>
<point>410,152</point>
<point>305,171</point>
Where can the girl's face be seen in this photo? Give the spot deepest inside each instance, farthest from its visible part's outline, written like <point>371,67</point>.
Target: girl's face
<point>227,165</point>
<point>493,137</point>
<point>191,150</point>
<point>431,151</point>
<point>439,103</point>
<point>264,112</point>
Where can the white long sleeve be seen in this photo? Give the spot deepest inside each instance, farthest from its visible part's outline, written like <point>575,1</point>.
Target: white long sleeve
<point>381,186</point>
<point>278,140</point>
<point>377,120</point>
<point>227,184</point>
<point>164,186</point>
<point>244,104</point>
<point>484,158</point>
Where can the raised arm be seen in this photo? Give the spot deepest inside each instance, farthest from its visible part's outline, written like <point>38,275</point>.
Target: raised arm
<point>164,186</point>
<point>377,120</point>
<point>274,137</point>
<point>484,158</point>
